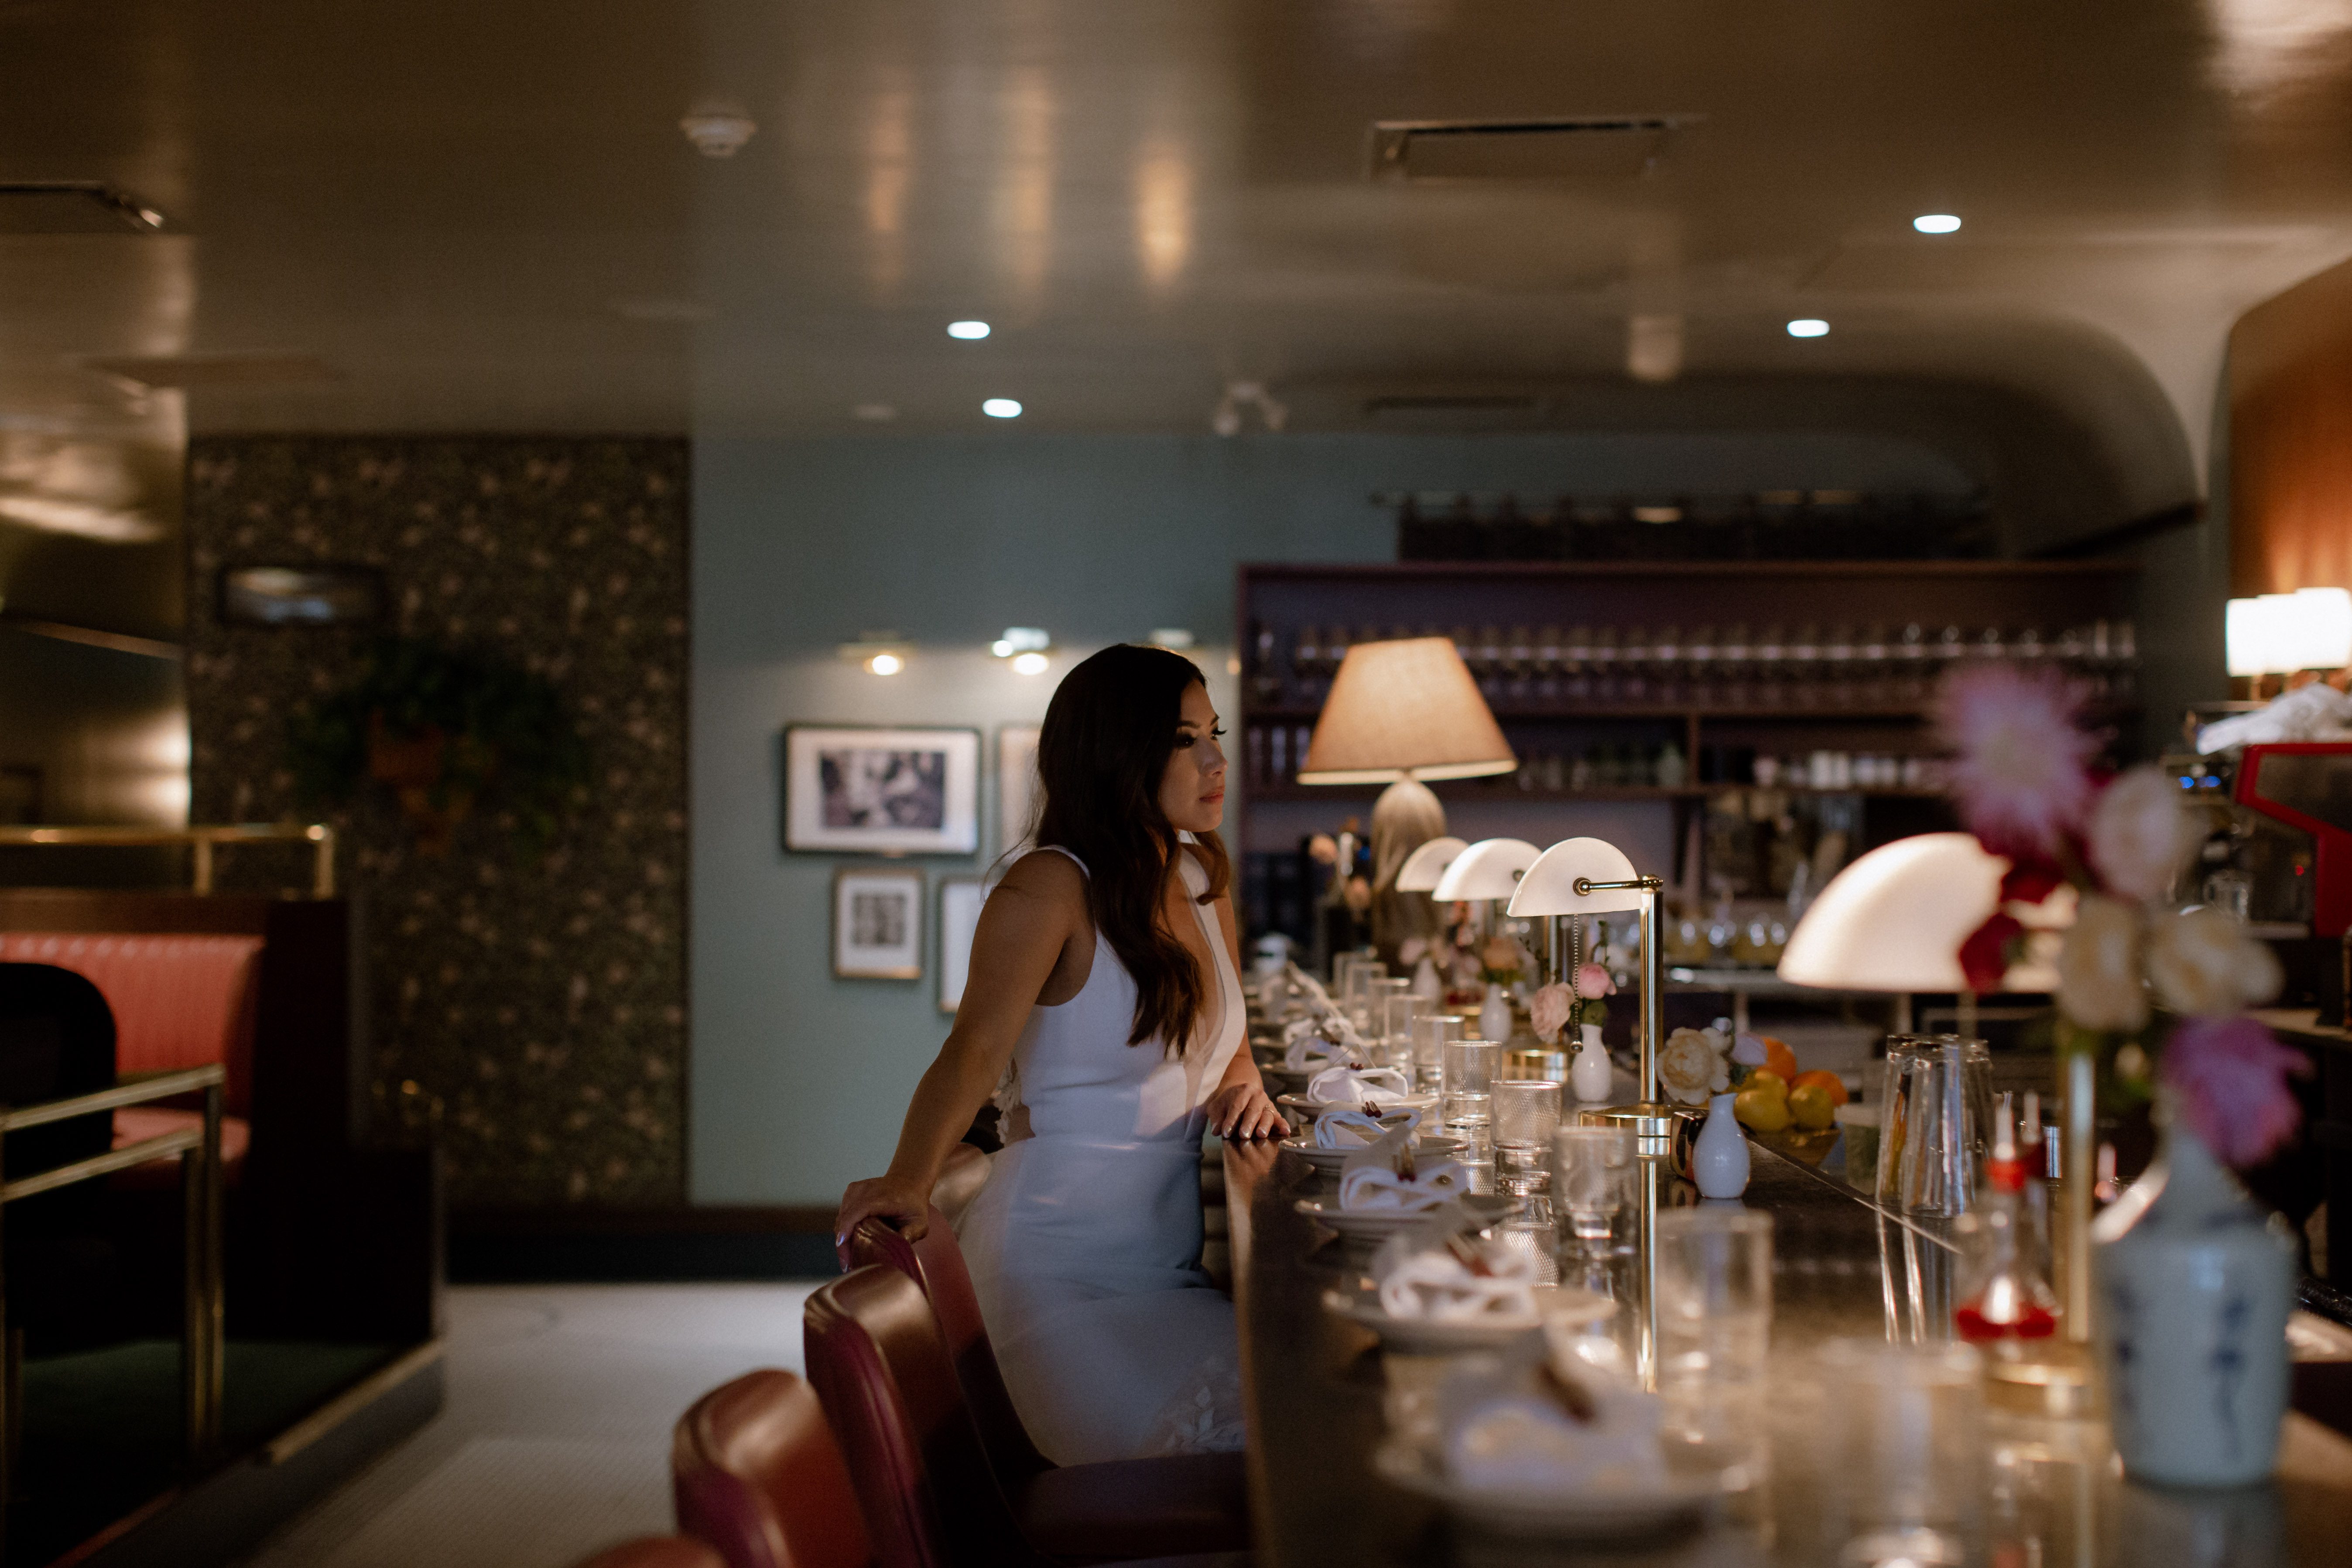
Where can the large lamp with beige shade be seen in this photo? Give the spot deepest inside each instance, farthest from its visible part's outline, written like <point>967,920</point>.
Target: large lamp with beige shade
<point>1402,712</point>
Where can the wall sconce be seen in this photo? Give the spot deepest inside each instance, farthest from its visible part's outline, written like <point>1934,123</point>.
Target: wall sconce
<point>1026,646</point>
<point>879,653</point>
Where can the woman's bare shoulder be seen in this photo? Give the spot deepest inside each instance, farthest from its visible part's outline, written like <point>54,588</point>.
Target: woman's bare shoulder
<point>1046,875</point>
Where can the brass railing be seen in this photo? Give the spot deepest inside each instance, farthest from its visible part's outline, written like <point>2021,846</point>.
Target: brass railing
<point>202,1344</point>
<point>203,840</point>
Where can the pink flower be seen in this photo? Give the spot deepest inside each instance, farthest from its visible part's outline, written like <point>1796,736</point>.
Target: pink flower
<point>1547,1011</point>
<point>1592,982</point>
<point>2231,1075</point>
<point>2020,776</point>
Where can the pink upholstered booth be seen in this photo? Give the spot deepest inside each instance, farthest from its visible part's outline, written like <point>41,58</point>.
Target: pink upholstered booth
<point>179,1000</point>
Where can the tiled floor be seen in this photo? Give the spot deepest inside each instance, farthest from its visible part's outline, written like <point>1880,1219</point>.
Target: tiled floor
<point>556,1438</point>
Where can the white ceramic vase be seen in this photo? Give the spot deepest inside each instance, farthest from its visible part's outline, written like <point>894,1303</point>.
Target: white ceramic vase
<point>1495,1015</point>
<point>2195,1282</point>
<point>1589,1075</point>
<point>1719,1157</point>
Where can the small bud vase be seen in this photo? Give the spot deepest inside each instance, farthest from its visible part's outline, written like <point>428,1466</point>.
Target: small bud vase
<point>2194,1284</point>
<point>1719,1159</point>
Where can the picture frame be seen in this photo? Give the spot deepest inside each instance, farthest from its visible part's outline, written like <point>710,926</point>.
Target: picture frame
<point>960,902</point>
<point>878,923</point>
<point>1018,785</point>
<point>281,595</point>
<point>866,789</point>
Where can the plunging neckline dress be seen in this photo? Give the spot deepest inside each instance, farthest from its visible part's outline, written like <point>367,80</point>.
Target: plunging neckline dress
<point>1085,1244</point>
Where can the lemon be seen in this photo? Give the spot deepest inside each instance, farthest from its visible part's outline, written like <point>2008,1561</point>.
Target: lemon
<point>1811,1105</point>
<point>1761,1110</point>
<point>1766,1080</point>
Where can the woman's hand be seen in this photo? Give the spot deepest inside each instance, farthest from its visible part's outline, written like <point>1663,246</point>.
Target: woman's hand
<point>1241,1110</point>
<point>894,1201</point>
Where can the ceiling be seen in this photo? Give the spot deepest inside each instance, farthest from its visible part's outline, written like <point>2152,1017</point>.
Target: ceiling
<point>429,216</point>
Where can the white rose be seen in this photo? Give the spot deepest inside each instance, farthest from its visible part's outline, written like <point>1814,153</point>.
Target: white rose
<point>2203,964</point>
<point>1690,1069</point>
<point>2139,834</point>
<point>2099,969</point>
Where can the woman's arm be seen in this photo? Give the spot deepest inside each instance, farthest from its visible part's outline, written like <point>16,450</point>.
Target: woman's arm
<point>1024,927</point>
<point>1239,1108</point>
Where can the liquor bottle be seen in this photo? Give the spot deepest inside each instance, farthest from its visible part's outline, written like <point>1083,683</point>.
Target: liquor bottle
<point>2010,1301</point>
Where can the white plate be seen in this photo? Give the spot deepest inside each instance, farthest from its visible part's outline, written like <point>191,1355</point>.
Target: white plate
<point>1434,1146</point>
<point>1379,1224</point>
<point>1422,1336</point>
<point>1683,1502</point>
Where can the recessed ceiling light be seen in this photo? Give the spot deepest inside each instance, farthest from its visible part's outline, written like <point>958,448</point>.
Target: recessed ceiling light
<point>971,331</point>
<point>1808,327</point>
<point>1030,664</point>
<point>1000,408</point>
<point>886,664</point>
<point>1936,223</point>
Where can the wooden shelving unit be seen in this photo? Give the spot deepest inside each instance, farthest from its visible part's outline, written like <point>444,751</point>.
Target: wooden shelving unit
<point>1863,707</point>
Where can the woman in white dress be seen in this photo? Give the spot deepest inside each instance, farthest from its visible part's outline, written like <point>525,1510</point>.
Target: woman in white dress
<point>1104,1013</point>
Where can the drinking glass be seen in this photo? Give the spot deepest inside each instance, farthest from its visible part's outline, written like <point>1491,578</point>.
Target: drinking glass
<point>1902,1453</point>
<point>1595,1189</point>
<point>1934,1113</point>
<point>1431,1035</point>
<point>1358,1003</point>
<point>1715,1328</point>
<point>1527,1112</point>
<point>1469,1103</point>
<point>1393,1021</point>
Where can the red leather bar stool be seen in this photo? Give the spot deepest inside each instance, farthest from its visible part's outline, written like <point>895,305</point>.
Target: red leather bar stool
<point>658,1551</point>
<point>754,1471</point>
<point>929,1495</point>
<point>1127,1508</point>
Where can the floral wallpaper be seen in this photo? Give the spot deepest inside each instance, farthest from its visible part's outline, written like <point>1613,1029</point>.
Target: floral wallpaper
<point>542,1003</point>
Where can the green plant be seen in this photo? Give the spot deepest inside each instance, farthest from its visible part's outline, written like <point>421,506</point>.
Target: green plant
<point>444,729</point>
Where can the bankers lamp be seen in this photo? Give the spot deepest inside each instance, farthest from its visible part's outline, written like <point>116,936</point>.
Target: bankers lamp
<point>1592,876</point>
<point>1423,867</point>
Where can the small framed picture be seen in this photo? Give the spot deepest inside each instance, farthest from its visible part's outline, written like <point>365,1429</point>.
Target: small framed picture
<point>960,902</point>
<point>305,596</point>
<point>878,923</point>
<point>1018,789</point>
<point>881,792</point>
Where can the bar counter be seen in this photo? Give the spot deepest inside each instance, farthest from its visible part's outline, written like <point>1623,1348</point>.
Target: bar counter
<point>1313,1382</point>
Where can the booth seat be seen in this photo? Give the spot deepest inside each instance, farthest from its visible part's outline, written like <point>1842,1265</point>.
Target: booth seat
<point>179,1000</point>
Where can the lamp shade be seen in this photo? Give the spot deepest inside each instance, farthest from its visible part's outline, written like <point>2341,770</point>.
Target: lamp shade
<point>1423,867</point>
<point>1549,886</point>
<point>1489,868</point>
<point>1406,708</point>
<point>1895,920</point>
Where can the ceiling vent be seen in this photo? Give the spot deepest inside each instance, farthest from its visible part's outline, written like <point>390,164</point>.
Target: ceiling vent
<point>1600,147</point>
<point>149,372</point>
<point>73,206</point>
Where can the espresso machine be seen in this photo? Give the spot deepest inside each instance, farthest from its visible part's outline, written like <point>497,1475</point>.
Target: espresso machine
<point>2278,855</point>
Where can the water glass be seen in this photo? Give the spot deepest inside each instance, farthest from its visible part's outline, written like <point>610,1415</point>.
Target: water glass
<point>1527,1112</point>
<point>1902,1453</point>
<point>1715,1328</point>
<point>1934,1115</point>
<point>1391,1036</point>
<point>1362,988</point>
<point>1595,1189</point>
<point>1431,1034</point>
<point>1404,1011</point>
<point>1468,1107</point>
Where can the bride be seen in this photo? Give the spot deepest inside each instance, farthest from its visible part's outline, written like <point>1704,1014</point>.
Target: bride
<point>1104,1011</point>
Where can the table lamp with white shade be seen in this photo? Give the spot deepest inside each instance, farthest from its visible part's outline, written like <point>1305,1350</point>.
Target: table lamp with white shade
<point>1593,877</point>
<point>1423,867</point>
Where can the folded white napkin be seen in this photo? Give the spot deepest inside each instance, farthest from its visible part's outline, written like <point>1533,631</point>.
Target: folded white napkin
<point>1355,1086</point>
<point>1353,1128</point>
<point>1314,1042</point>
<point>1369,1182</point>
<point>1523,1436</point>
<point>1458,1281</point>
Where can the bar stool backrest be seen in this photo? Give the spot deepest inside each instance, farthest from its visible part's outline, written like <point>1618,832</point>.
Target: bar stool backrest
<point>755,1472</point>
<point>936,1265</point>
<point>930,1498</point>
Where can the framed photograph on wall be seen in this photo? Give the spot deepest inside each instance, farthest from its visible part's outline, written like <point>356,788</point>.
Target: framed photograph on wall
<point>1017,788</point>
<point>960,902</point>
<point>878,923</point>
<point>881,792</point>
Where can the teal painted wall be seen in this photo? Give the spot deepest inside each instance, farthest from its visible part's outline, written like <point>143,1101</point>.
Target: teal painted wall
<point>799,1080</point>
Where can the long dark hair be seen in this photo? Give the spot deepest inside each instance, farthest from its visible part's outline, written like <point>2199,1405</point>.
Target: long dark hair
<point>1103,750</point>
